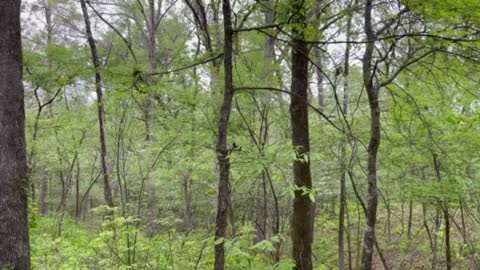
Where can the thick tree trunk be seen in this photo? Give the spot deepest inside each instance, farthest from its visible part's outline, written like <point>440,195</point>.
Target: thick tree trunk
<point>222,146</point>
<point>101,111</point>
<point>14,241</point>
<point>302,216</point>
<point>372,92</point>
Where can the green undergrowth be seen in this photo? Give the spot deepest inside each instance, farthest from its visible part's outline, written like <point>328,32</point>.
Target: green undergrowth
<point>118,244</point>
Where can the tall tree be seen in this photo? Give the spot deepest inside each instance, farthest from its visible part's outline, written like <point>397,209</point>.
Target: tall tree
<point>267,74</point>
<point>14,242</point>
<point>107,189</point>
<point>222,149</point>
<point>222,146</point>
<point>372,92</point>
<point>343,151</point>
<point>303,212</point>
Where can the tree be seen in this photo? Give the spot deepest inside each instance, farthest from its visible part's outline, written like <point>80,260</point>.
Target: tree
<point>222,149</point>
<point>107,189</point>
<point>303,211</point>
<point>14,240</point>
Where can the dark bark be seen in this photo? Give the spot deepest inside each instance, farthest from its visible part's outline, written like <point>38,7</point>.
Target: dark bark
<point>302,216</point>
<point>374,143</point>
<point>444,207</point>
<point>410,217</point>
<point>222,146</point>
<point>107,189</point>
<point>14,240</point>
<point>77,193</point>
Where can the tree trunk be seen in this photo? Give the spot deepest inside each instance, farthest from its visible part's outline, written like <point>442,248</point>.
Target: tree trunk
<point>343,188</point>
<point>222,146</point>
<point>187,195</point>
<point>150,118</point>
<point>77,193</point>
<point>261,211</point>
<point>444,207</point>
<point>43,195</point>
<point>435,238</point>
<point>372,92</point>
<point>101,111</point>
<point>14,241</point>
<point>302,216</point>
<point>318,71</point>
<point>410,217</point>
<point>261,218</point>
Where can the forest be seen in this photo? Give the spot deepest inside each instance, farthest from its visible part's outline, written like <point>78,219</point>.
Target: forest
<point>239,134</point>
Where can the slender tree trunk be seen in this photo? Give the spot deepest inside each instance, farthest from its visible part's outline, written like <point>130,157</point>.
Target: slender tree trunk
<point>318,71</point>
<point>343,189</point>
<point>303,210</point>
<point>150,118</point>
<point>77,193</point>
<point>222,145</point>
<point>349,240</point>
<point>410,217</point>
<point>262,194</point>
<point>435,239</point>
<point>107,189</point>
<point>44,185</point>
<point>43,195</point>
<point>14,241</point>
<point>444,207</point>
<point>261,211</point>
<point>448,252</point>
<point>375,131</point>
<point>187,195</point>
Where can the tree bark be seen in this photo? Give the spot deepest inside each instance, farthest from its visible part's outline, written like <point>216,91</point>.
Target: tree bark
<point>222,146</point>
<point>374,143</point>
<point>107,189</point>
<point>302,216</point>
<point>14,240</point>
